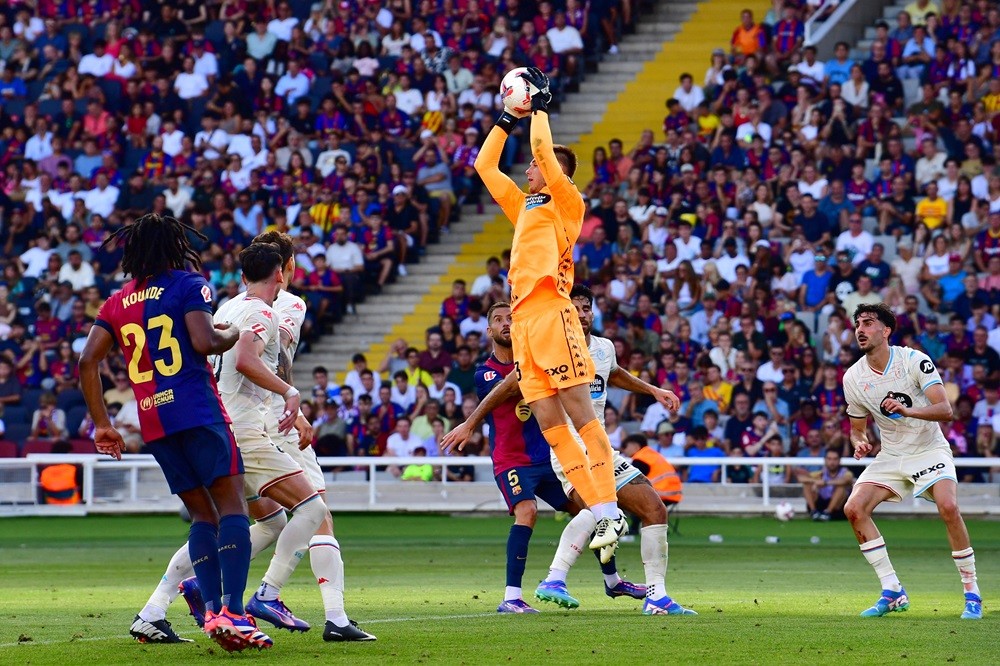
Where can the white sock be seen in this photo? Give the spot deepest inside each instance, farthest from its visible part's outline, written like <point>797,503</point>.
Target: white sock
<point>965,560</point>
<point>606,510</point>
<point>653,548</point>
<point>574,540</point>
<point>292,544</point>
<point>328,567</point>
<point>878,556</point>
<point>612,579</point>
<point>511,593</point>
<point>265,531</point>
<point>179,569</point>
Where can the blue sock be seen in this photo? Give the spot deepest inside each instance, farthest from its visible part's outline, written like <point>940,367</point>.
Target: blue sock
<point>609,568</point>
<point>234,560</point>
<point>203,546</point>
<point>517,553</point>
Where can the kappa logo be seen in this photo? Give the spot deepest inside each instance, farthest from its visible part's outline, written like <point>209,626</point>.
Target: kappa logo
<point>536,200</point>
<point>560,370</point>
<point>933,468</point>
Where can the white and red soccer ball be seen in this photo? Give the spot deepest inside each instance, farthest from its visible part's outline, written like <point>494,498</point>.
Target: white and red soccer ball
<point>516,92</point>
<point>784,511</point>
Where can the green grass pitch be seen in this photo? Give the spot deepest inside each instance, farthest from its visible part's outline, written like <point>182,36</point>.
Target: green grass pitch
<point>428,587</point>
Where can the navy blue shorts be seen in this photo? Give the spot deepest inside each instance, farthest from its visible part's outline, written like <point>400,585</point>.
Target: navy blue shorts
<point>529,482</point>
<point>196,457</point>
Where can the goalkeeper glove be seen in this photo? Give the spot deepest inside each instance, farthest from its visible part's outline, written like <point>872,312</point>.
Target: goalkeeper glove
<point>540,100</point>
<point>506,122</point>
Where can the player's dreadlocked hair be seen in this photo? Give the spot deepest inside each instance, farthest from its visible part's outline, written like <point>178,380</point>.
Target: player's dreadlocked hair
<point>154,244</point>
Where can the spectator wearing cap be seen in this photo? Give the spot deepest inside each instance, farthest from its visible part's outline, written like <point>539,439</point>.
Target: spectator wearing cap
<point>405,223</point>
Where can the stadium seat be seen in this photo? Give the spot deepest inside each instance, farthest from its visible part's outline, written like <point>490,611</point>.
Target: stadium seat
<point>889,243</point>
<point>49,108</point>
<point>29,400</point>
<point>74,417</point>
<point>69,398</point>
<point>17,432</point>
<point>82,446</point>
<point>37,446</point>
<point>8,449</point>
<point>15,414</point>
<point>214,33</point>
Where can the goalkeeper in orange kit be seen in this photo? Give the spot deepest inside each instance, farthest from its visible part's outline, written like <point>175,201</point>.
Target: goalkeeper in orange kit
<point>553,367</point>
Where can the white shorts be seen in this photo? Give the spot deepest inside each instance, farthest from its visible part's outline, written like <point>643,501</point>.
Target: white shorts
<point>905,474</point>
<point>624,472</point>
<point>306,460</point>
<point>264,462</point>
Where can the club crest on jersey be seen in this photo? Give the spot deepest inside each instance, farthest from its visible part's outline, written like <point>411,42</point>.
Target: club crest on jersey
<point>536,200</point>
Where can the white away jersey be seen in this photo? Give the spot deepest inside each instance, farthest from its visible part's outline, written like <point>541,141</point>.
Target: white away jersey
<point>907,375</point>
<point>602,351</point>
<point>291,311</point>
<point>248,405</point>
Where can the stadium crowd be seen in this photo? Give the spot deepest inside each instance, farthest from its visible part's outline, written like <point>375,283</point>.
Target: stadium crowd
<point>350,124</point>
<point>726,253</point>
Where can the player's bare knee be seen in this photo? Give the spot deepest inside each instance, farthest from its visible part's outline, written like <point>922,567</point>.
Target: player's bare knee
<point>526,513</point>
<point>948,509</point>
<point>855,510</point>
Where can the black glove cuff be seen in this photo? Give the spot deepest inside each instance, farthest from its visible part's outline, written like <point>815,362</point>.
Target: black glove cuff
<point>507,121</point>
<point>539,103</point>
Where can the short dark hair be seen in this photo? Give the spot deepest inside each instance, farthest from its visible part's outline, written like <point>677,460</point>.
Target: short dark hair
<point>581,291</point>
<point>259,260</point>
<point>566,157</point>
<point>636,438</point>
<point>282,240</point>
<point>881,311</point>
<point>496,306</point>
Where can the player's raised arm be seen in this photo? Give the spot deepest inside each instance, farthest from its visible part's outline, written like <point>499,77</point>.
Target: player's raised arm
<point>506,193</point>
<point>626,380</point>
<point>461,433</point>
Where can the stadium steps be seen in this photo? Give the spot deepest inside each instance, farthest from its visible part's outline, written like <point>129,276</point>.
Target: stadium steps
<point>673,37</point>
<point>863,47</point>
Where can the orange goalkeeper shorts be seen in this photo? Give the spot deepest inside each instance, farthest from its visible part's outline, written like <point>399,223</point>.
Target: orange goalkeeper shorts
<point>550,350</point>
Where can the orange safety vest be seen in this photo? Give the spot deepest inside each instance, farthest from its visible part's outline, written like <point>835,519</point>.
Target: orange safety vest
<point>662,474</point>
<point>59,484</point>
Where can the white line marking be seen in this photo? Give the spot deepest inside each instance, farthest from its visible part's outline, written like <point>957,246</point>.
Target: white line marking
<point>429,617</point>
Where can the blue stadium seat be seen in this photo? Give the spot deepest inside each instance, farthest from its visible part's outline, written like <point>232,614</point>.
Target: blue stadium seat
<point>49,107</point>
<point>17,432</point>
<point>74,417</point>
<point>29,400</point>
<point>16,414</point>
<point>69,398</point>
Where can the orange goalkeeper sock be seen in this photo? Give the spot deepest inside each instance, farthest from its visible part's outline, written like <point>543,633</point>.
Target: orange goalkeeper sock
<point>573,461</point>
<point>599,454</point>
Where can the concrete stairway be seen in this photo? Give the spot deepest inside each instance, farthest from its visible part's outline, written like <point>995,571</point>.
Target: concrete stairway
<point>407,308</point>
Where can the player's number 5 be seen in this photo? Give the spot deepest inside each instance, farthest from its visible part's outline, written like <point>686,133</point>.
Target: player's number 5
<point>512,478</point>
<point>133,335</point>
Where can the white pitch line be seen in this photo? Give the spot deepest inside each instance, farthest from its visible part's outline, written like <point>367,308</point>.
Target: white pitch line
<point>198,633</point>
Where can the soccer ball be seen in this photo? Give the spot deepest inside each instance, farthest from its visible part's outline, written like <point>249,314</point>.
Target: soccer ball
<point>784,512</point>
<point>516,93</point>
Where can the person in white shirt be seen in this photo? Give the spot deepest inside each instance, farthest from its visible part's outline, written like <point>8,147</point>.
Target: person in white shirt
<point>482,284</point>
<point>812,184</point>
<point>948,182</point>
<point>855,240</point>
<point>172,137</point>
<point>754,126</point>
<point>77,272</point>
<point>440,384</point>
<point>563,37</point>
<point>403,393</point>
<point>189,84</point>
<point>477,96</point>
<point>178,197</point>
<point>729,260</point>
<point>326,162</point>
<point>401,443</point>
<point>102,199</point>
<point>98,63</point>
<point>771,371</point>
<point>422,34</point>
<point>205,62</point>
<point>813,71</point>
<point>409,100</point>
<point>475,322</point>
<point>39,146</point>
<point>688,94</point>
<point>36,259</point>
<point>930,167</point>
<point>353,378</point>
<point>281,26</point>
<point>211,141</point>
<point>293,83</point>
<point>688,245</point>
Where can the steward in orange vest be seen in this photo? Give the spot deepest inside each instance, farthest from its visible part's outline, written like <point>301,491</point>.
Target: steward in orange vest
<point>665,479</point>
<point>58,482</point>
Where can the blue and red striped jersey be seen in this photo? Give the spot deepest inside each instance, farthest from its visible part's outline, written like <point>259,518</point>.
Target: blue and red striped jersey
<point>515,438</point>
<point>173,384</point>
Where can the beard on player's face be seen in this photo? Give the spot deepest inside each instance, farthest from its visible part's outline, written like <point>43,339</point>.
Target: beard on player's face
<point>501,339</point>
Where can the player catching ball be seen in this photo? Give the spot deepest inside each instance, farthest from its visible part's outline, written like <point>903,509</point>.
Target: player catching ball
<point>551,361</point>
<point>902,390</point>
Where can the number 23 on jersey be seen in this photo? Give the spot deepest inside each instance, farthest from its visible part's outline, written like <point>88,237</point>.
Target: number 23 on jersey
<point>169,361</point>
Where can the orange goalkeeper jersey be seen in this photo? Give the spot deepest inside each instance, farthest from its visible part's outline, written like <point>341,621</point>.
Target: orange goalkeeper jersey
<point>546,224</point>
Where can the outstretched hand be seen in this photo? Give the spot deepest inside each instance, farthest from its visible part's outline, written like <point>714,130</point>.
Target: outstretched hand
<point>109,441</point>
<point>536,77</point>
<point>456,438</point>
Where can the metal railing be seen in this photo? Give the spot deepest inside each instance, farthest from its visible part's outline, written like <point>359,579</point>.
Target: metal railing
<point>135,484</point>
<point>815,30</point>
